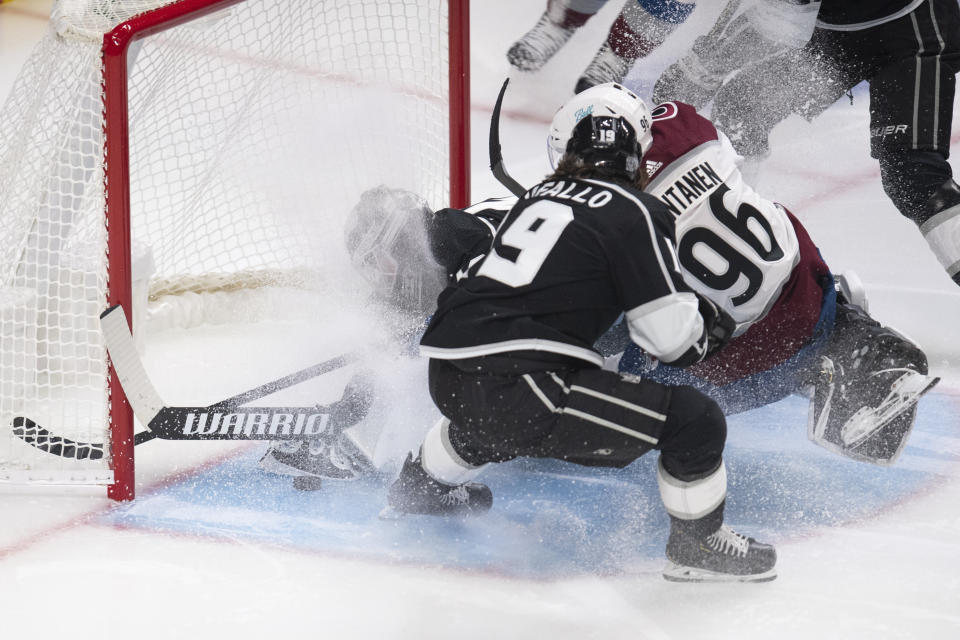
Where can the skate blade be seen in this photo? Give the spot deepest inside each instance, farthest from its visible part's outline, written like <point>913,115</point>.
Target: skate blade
<point>905,393</point>
<point>679,573</point>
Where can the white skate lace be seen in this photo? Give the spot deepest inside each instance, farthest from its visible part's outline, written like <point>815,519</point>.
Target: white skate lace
<point>455,497</point>
<point>726,540</point>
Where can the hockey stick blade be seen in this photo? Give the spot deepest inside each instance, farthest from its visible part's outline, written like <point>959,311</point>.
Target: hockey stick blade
<point>39,437</point>
<point>42,438</point>
<point>173,422</point>
<point>227,419</point>
<point>496,154</point>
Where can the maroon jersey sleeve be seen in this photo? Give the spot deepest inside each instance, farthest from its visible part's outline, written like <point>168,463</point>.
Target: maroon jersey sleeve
<point>677,128</point>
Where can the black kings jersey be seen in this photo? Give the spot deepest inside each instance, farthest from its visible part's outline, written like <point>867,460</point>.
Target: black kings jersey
<point>568,259</point>
<point>856,15</point>
<point>458,236</point>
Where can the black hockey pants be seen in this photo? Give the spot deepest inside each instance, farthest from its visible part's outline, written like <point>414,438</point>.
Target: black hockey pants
<point>583,415</point>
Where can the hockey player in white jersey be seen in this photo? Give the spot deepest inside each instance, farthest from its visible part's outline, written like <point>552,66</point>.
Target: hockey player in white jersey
<point>754,258</point>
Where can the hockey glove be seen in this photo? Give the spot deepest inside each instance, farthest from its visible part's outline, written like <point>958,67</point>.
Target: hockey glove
<point>717,325</point>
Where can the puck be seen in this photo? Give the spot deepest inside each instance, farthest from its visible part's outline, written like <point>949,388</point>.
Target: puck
<point>307,483</point>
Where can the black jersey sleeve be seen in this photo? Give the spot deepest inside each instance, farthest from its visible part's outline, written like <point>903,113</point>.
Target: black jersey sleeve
<point>663,313</point>
<point>457,236</point>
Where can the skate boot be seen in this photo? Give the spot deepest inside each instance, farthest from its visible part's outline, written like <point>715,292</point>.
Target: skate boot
<point>865,394</point>
<point>606,66</point>
<point>416,492</point>
<point>687,80</point>
<point>538,45</point>
<point>722,555</point>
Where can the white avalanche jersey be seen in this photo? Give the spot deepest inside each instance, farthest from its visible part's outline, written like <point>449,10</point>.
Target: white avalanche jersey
<point>734,246</point>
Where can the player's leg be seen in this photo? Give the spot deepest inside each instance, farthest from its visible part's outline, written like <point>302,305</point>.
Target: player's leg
<point>554,28</point>
<point>610,420</point>
<point>911,113</point>
<point>641,27</point>
<point>734,44</point>
<point>438,479</point>
<point>804,81</point>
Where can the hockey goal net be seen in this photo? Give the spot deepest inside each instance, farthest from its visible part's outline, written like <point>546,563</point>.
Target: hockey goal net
<point>225,141</point>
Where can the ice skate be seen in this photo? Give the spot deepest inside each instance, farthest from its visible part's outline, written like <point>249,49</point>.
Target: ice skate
<point>606,66</point>
<point>722,556</point>
<point>867,389</point>
<point>538,45</point>
<point>687,80</point>
<point>415,492</point>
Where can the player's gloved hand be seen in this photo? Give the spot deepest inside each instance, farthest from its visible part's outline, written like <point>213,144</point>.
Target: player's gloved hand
<point>717,324</point>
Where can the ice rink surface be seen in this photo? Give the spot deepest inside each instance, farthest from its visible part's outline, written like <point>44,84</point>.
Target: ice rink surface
<point>214,548</point>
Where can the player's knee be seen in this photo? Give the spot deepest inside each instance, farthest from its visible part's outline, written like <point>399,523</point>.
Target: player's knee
<point>694,436</point>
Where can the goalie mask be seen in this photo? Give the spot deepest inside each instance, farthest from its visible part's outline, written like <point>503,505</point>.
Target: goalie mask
<point>599,105</point>
<point>387,241</point>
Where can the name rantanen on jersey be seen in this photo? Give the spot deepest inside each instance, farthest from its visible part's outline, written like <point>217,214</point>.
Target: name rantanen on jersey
<point>688,189</point>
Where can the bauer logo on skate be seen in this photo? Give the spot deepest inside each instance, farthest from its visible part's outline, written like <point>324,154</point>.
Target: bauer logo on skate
<point>248,424</point>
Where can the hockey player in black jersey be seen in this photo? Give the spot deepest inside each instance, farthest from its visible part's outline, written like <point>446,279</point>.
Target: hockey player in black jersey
<point>909,53</point>
<point>514,373</point>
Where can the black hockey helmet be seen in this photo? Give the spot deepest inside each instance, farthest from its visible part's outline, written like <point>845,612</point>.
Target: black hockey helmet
<point>607,142</point>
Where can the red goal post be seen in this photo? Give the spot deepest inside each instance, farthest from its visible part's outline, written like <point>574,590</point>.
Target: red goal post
<point>232,89</point>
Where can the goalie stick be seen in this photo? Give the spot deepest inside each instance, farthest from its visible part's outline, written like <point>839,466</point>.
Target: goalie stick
<point>224,420</point>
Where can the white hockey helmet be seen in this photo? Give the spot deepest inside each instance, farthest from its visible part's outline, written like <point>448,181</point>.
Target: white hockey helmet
<point>603,100</point>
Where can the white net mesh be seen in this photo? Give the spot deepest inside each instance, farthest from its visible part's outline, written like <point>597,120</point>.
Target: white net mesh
<point>253,131</point>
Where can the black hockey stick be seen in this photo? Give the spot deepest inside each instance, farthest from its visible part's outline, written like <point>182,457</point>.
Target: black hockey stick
<point>496,154</point>
<point>224,420</point>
